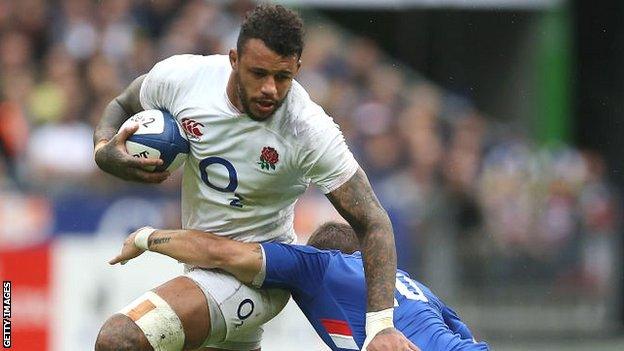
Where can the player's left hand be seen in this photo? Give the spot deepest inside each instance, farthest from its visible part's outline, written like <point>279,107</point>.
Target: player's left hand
<point>391,339</point>
<point>128,251</point>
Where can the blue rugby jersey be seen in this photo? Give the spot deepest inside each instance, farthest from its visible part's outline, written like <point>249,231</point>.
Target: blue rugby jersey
<point>330,289</point>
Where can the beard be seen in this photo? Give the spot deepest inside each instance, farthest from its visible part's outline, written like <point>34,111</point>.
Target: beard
<point>246,102</point>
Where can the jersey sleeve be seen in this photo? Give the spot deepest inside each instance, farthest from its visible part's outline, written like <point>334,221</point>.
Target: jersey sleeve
<point>294,267</point>
<point>327,160</point>
<point>164,85</point>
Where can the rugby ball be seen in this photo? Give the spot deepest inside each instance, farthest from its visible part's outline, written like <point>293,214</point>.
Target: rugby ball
<point>159,136</point>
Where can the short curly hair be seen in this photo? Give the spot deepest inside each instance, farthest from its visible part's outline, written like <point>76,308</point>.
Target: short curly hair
<point>279,28</point>
<point>335,236</point>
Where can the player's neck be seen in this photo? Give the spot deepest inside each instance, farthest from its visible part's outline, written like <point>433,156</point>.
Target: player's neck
<point>232,93</point>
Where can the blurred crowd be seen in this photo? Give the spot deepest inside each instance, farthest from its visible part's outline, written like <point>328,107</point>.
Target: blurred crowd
<point>513,211</point>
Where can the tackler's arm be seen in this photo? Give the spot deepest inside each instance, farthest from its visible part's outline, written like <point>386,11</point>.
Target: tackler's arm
<point>197,248</point>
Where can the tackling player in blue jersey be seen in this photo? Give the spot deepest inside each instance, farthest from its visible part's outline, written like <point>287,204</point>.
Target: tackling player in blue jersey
<point>328,286</point>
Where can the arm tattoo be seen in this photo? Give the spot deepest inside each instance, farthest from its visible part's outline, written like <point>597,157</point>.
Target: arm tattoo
<point>357,203</point>
<point>118,110</point>
<point>114,116</point>
<point>158,241</point>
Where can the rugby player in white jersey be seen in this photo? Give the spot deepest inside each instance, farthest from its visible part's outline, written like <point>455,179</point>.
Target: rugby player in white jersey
<point>257,142</point>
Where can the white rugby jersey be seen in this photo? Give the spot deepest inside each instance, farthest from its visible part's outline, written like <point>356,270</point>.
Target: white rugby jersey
<point>243,177</point>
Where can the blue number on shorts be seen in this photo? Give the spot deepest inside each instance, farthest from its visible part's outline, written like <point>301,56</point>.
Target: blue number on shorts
<point>408,288</point>
<point>232,185</point>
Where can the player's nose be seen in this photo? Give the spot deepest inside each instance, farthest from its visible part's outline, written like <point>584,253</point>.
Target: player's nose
<point>269,88</point>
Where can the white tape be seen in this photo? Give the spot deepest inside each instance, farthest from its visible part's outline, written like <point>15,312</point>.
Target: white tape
<point>159,323</point>
<point>376,322</point>
<point>142,237</point>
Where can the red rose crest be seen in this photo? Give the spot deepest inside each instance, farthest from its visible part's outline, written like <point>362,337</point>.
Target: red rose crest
<point>268,158</point>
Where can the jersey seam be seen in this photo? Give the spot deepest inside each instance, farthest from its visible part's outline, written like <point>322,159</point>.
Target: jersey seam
<point>341,180</point>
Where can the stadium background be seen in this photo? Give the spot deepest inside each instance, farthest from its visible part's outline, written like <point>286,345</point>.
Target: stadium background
<point>491,132</point>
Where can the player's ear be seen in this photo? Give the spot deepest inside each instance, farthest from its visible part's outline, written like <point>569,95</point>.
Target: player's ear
<point>297,66</point>
<point>233,59</point>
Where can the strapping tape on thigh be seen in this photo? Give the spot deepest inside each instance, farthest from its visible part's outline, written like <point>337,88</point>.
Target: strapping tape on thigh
<point>159,323</point>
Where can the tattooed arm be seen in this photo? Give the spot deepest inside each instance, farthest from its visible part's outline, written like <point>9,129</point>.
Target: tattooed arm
<point>357,203</point>
<point>197,248</point>
<point>110,148</point>
<point>117,111</point>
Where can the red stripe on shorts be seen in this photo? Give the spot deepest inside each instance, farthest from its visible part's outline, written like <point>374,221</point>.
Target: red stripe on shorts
<point>334,326</point>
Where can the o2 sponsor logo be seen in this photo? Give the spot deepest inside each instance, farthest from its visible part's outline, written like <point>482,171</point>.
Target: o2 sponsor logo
<point>237,199</point>
<point>244,311</point>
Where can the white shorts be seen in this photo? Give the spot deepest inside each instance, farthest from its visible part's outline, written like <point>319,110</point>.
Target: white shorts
<point>237,311</point>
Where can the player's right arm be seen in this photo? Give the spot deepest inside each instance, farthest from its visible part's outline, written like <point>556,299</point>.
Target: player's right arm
<point>110,147</point>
